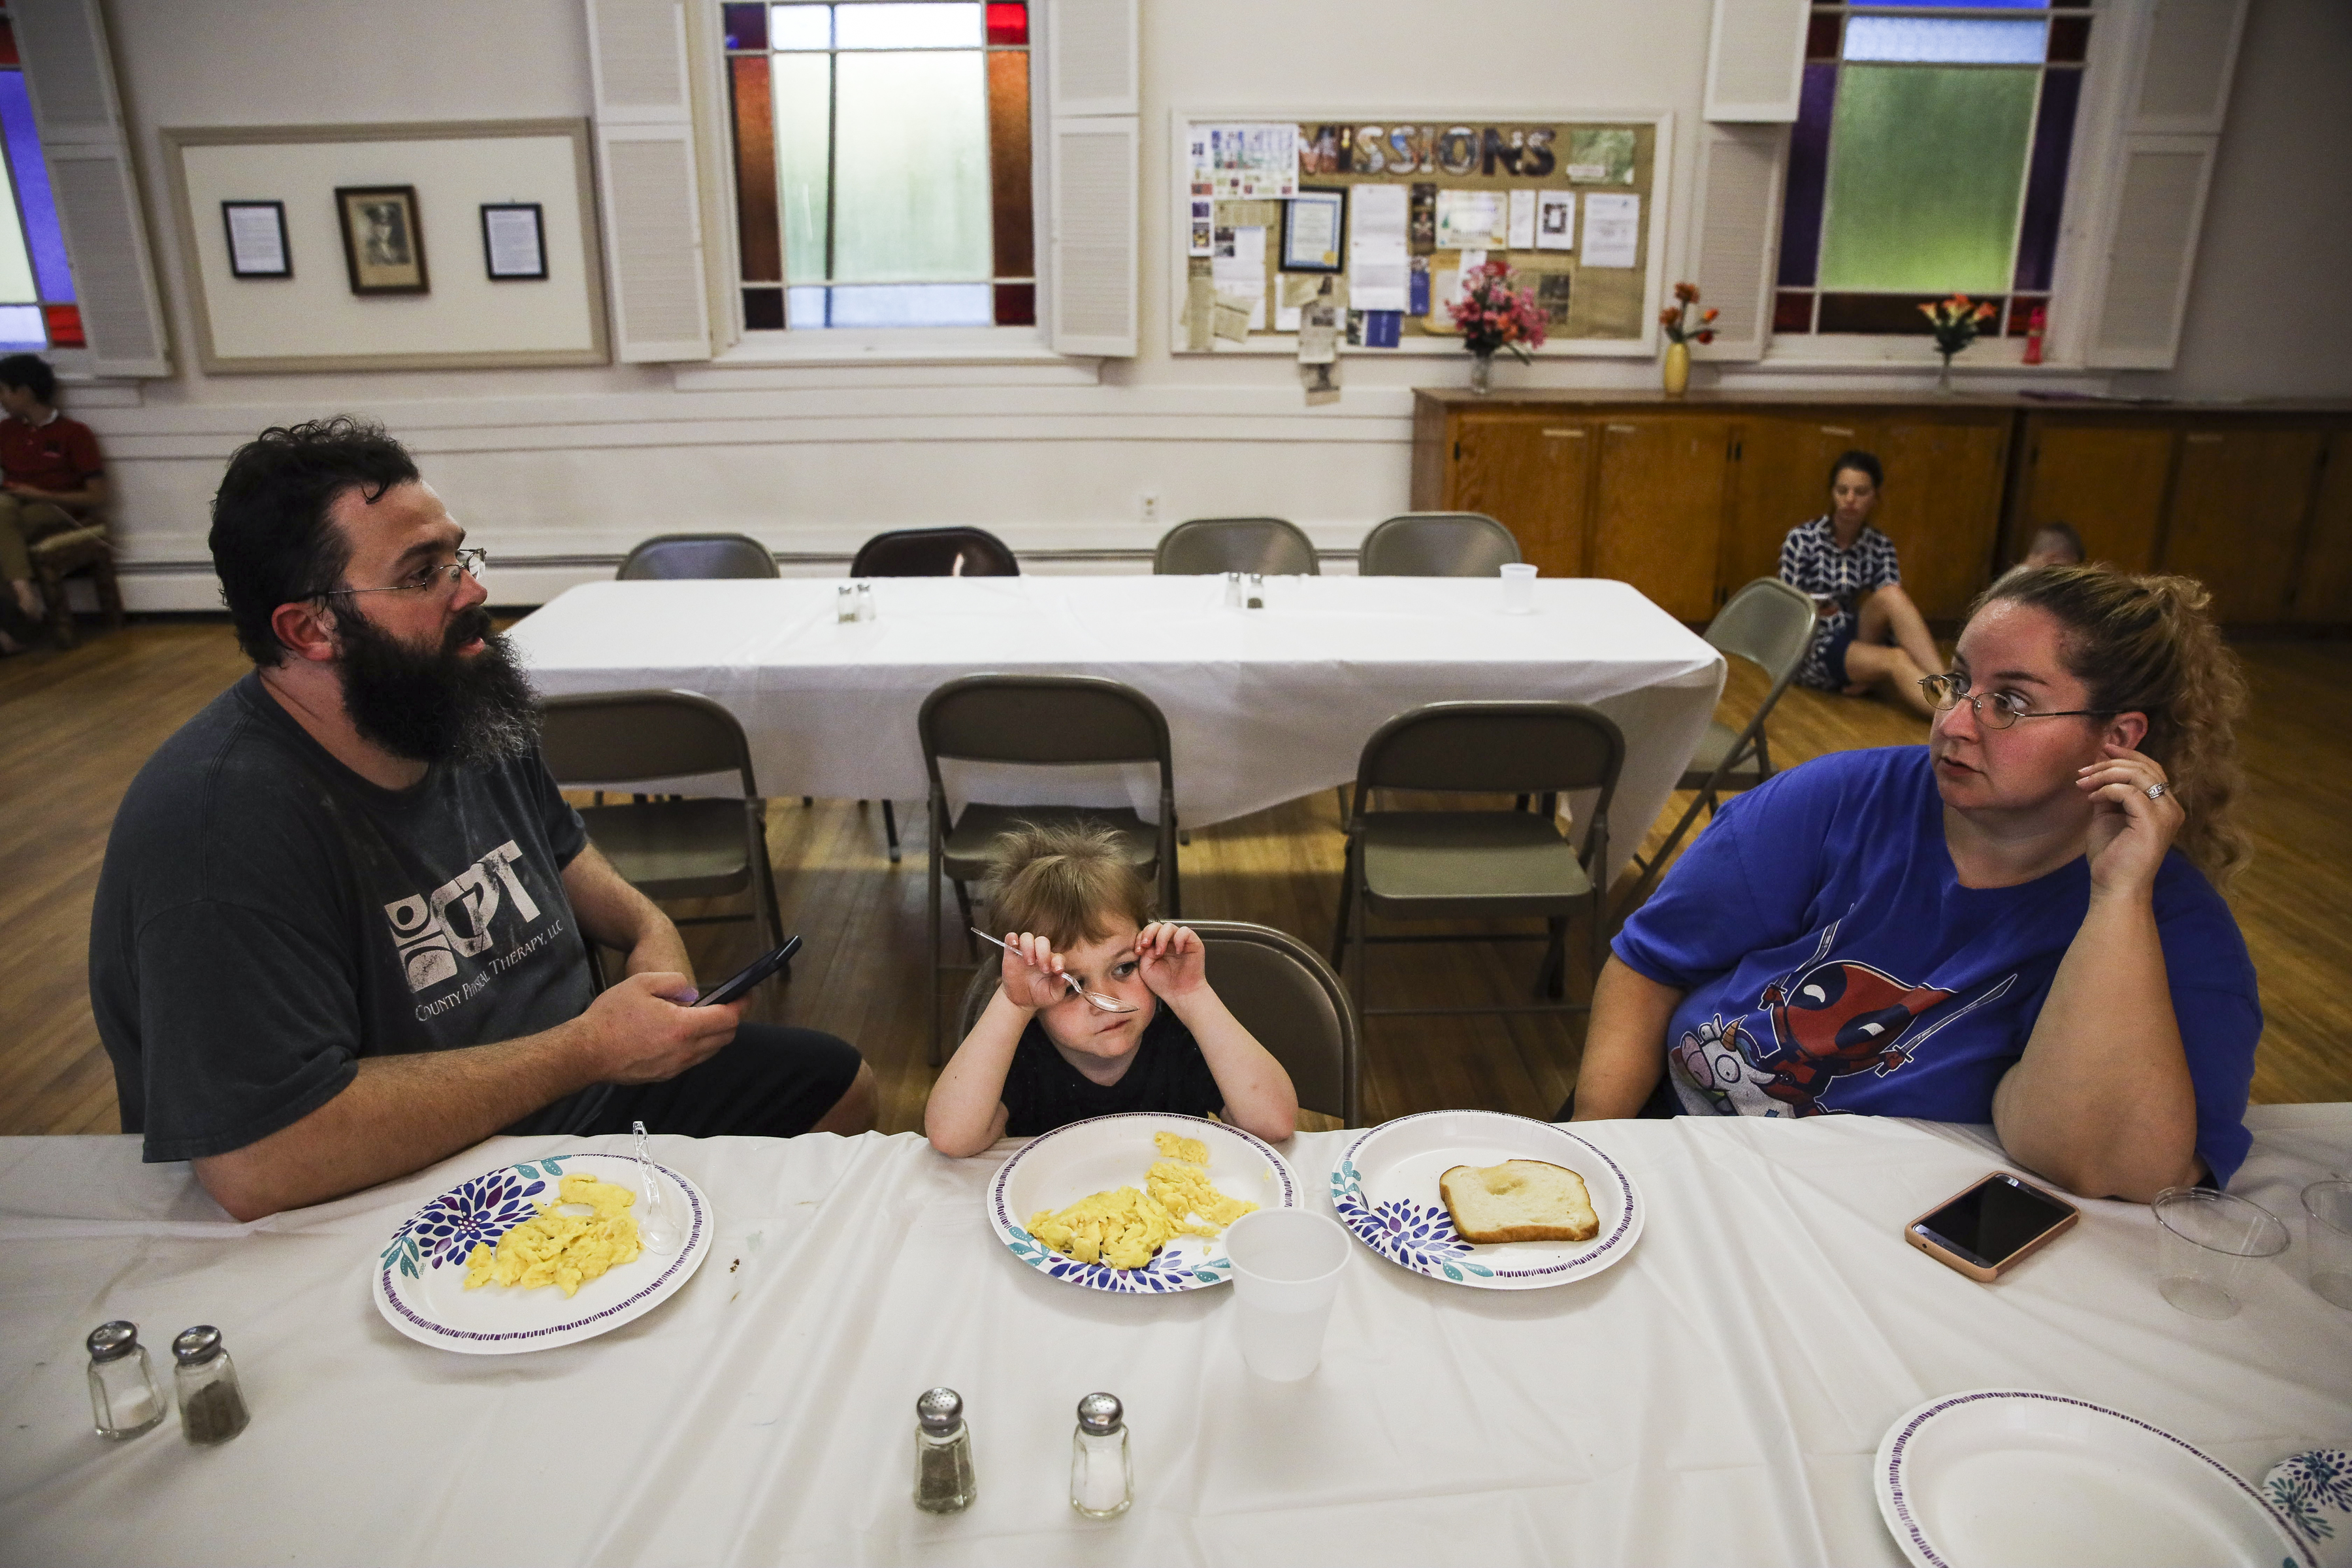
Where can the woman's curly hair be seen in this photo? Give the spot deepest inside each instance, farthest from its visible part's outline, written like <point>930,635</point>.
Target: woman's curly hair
<point>2146,644</point>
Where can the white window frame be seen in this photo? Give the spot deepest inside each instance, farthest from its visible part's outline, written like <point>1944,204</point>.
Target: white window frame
<point>2091,167</point>
<point>736,348</point>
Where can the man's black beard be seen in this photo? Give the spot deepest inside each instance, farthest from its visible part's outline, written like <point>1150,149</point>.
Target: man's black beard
<point>442,706</point>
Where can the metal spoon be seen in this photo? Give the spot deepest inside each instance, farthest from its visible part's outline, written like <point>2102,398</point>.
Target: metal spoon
<point>1100,1001</point>
<point>657,1227</point>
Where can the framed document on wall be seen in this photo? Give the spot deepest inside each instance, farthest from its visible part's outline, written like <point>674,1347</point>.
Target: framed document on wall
<point>383,245</point>
<point>257,239</point>
<point>514,245</point>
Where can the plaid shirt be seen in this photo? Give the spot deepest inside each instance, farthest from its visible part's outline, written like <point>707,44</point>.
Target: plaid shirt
<point>1812,563</point>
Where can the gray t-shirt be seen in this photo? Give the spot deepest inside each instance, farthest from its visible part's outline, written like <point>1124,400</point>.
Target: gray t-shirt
<point>265,916</point>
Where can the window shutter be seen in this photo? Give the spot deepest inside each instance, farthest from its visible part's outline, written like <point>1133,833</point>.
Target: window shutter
<point>2184,80</point>
<point>1755,60</point>
<point>2150,251</point>
<point>1738,249</point>
<point>645,179</point>
<point>70,76</point>
<point>1092,72</point>
<point>2164,164</point>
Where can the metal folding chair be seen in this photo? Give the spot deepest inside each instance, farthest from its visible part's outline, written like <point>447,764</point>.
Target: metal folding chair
<point>1437,545</point>
<point>1209,545</point>
<point>1480,865</point>
<point>673,557</point>
<point>1768,624</point>
<point>934,552</point>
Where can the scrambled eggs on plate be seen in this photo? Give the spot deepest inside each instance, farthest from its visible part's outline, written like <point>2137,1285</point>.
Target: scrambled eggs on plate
<point>565,1249</point>
<point>1126,1228</point>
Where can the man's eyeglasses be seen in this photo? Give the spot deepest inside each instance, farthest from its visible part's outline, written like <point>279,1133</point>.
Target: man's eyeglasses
<point>1994,709</point>
<point>443,575</point>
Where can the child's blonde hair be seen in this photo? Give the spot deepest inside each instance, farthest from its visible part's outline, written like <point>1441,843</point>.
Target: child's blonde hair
<point>1069,884</point>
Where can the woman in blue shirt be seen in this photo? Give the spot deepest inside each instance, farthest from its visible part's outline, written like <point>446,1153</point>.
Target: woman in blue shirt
<point>2016,923</point>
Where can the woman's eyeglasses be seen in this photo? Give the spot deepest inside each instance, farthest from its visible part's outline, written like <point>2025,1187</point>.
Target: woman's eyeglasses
<point>443,575</point>
<point>1994,709</point>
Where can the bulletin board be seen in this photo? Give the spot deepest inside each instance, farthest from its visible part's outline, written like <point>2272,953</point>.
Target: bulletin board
<point>479,305</point>
<point>1593,266</point>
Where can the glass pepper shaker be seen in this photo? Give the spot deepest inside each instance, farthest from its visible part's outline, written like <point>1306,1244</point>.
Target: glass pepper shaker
<point>212,1405</point>
<point>123,1398</point>
<point>944,1483</point>
<point>844,603</point>
<point>1102,1471</point>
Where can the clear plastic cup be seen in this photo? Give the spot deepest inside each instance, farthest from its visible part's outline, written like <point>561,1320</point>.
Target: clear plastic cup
<point>1519,589</point>
<point>2207,1245</point>
<point>2327,1232</point>
<point>1286,1267</point>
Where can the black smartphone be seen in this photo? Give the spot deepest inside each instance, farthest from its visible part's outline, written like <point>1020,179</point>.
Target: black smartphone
<point>733,987</point>
<point>1984,1230</point>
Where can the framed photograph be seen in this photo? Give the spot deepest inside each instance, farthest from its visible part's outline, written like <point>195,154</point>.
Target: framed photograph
<point>257,239</point>
<point>514,246</point>
<point>1315,230</point>
<point>383,243</point>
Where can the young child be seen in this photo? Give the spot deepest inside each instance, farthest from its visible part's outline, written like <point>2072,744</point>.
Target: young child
<point>1041,1057</point>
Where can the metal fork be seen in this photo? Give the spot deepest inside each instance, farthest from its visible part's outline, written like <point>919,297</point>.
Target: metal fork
<point>1100,1001</point>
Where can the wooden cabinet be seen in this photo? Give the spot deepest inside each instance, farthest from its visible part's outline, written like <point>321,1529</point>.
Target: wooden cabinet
<point>1659,507</point>
<point>2322,590</point>
<point>2106,482</point>
<point>2239,499</point>
<point>1532,473</point>
<point>1687,500</point>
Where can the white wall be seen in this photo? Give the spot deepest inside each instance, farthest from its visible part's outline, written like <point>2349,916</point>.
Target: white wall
<point>557,466</point>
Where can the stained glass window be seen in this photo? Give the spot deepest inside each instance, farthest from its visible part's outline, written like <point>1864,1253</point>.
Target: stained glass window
<point>1928,158</point>
<point>882,162</point>
<point>36,291</point>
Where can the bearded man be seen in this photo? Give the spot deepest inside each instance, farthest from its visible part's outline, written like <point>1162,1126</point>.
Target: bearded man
<point>339,931</point>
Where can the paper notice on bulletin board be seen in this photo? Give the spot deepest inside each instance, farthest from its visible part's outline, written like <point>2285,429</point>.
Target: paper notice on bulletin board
<point>1612,230</point>
<point>1377,266</point>
<point>1245,162</point>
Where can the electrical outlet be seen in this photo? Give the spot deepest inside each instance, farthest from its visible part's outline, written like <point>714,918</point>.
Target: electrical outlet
<point>1150,506</point>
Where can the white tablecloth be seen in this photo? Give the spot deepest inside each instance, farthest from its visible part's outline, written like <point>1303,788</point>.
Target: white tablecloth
<point>1716,1398</point>
<point>1263,706</point>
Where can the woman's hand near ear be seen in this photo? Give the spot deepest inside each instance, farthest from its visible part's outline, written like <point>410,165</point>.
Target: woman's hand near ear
<point>2130,831</point>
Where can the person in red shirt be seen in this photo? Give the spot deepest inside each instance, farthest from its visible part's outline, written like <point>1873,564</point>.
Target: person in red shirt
<point>50,479</point>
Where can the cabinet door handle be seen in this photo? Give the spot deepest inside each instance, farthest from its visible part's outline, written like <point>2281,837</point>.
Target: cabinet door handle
<point>1569,432</point>
<point>1624,429</point>
<point>1835,430</point>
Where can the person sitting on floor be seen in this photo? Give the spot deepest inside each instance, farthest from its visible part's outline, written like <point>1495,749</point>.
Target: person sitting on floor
<point>1869,635</point>
<point>1042,1055</point>
<point>50,481</point>
<point>340,931</point>
<point>2015,923</point>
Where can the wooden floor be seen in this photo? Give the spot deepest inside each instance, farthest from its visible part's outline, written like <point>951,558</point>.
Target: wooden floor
<point>78,725</point>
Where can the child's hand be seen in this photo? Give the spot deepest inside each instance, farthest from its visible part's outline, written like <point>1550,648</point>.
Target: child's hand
<point>1033,974</point>
<point>1171,960</point>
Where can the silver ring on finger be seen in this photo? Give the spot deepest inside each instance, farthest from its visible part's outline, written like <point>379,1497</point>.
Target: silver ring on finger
<point>2155,791</point>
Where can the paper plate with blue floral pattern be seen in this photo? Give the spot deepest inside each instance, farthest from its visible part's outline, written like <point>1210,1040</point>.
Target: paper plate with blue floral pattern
<point>1384,1190</point>
<point>420,1276</point>
<point>1056,1169</point>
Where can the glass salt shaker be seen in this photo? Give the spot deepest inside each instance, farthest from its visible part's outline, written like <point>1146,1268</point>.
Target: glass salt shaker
<point>1102,1471</point>
<point>844,605</point>
<point>865,601</point>
<point>123,1398</point>
<point>212,1403</point>
<point>1232,590</point>
<point>944,1483</point>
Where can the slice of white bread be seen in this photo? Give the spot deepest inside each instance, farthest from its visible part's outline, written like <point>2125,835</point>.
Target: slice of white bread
<point>1518,1200</point>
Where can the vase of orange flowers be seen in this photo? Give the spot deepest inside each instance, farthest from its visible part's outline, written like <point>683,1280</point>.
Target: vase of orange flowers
<point>1492,316</point>
<point>1682,330</point>
<point>1957,324</point>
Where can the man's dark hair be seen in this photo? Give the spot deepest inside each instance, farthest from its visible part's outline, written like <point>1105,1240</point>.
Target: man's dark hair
<point>31,373</point>
<point>272,540</point>
<point>1861,462</point>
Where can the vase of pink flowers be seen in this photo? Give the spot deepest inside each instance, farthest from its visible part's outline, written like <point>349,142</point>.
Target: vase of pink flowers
<point>1493,316</point>
<point>1954,322</point>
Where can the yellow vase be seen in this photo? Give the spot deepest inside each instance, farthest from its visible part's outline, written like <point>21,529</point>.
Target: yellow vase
<point>1677,369</point>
